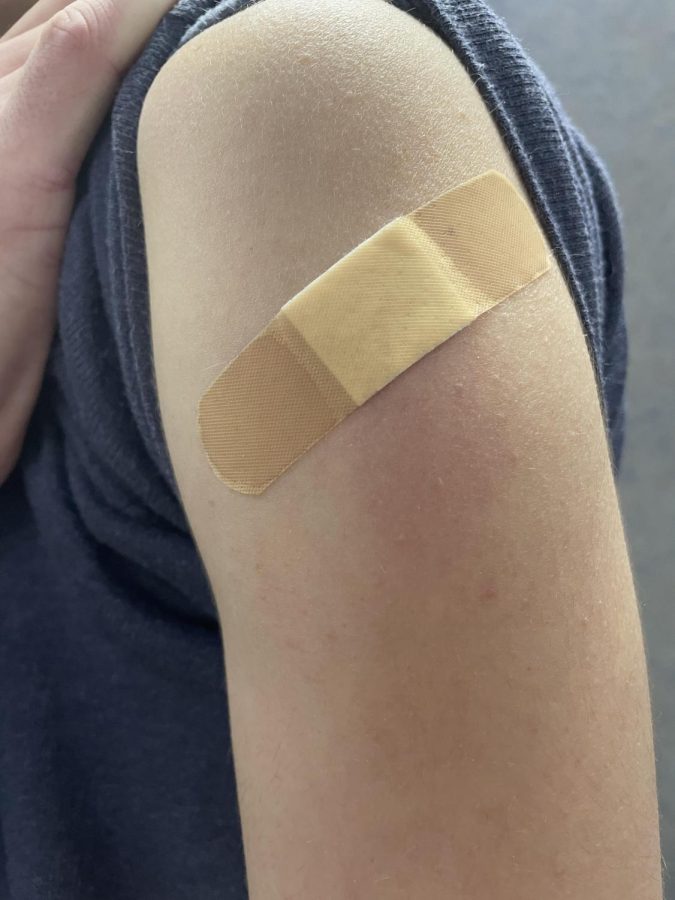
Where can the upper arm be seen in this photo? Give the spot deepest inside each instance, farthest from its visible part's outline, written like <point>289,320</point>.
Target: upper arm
<point>432,641</point>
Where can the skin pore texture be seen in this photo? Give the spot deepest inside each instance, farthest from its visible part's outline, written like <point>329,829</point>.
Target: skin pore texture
<point>434,655</point>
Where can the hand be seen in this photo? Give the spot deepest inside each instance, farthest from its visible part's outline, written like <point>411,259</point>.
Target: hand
<point>60,66</point>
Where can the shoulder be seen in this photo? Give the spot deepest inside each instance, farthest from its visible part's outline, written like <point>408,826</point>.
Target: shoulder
<point>273,144</point>
<point>358,101</point>
<point>290,132</point>
<point>308,56</point>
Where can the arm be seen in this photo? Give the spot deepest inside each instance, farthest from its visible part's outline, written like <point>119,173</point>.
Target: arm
<point>434,656</point>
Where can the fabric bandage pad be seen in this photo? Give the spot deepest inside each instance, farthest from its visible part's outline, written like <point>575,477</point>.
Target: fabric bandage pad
<point>396,296</point>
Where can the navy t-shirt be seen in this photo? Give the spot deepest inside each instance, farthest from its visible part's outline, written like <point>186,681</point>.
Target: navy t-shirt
<point>116,775</point>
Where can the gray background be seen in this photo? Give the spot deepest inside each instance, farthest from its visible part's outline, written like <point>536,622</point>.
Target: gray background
<point>613,65</point>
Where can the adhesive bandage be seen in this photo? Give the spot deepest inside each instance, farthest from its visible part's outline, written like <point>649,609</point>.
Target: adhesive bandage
<point>396,296</point>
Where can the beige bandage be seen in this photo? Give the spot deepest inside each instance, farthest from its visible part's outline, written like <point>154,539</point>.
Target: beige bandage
<point>380,308</point>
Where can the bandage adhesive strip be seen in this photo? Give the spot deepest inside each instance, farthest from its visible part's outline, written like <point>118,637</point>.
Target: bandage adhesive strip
<point>397,295</point>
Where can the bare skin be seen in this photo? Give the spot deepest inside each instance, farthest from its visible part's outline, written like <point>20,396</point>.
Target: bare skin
<point>434,654</point>
<point>59,68</point>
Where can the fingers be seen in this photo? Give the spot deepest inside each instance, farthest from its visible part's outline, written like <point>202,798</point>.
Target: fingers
<point>37,15</point>
<point>136,22</point>
<point>7,86</point>
<point>68,81</point>
<point>14,53</point>
<point>62,66</point>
